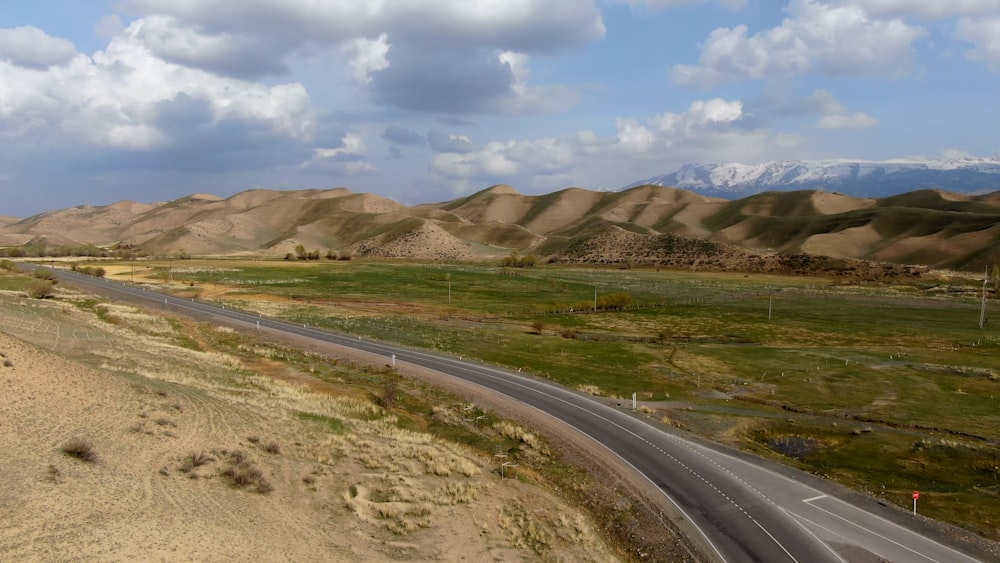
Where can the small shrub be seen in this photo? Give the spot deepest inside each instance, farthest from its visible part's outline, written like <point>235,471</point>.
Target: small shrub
<point>45,274</point>
<point>41,289</point>
<point>195,460</point>
<point>272,448</point>
<point>247,476</point>
<point>244,473</point>
<point>80,449</point>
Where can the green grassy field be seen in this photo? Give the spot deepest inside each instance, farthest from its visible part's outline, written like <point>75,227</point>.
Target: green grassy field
<point>886,388</point>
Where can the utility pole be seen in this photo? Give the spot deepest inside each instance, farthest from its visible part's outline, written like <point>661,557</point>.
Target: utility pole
<point>595,297</point>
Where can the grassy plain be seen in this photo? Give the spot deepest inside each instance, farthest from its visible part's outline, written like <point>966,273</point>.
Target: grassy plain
<point>887,388</point>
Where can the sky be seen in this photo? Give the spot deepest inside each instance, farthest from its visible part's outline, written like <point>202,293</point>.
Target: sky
<point>428,100</point>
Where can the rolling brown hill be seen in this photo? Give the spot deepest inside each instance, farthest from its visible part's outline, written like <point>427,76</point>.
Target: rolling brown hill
<point>644,225</point>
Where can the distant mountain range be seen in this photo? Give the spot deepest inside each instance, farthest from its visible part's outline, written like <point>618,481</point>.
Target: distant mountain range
<point>773,231</point>
<point>857,178</point>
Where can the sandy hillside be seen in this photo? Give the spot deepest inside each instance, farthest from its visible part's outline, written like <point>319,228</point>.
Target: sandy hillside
<point>198,455</point>
<point>429,241</point>
<point>829,203</point>
<point>498,220</point>
<point>500,203</point>
<point>855,241</point>
<point>561,210</point>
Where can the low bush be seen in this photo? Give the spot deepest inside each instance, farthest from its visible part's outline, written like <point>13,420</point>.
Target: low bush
<point>80,449</point>
<point>244,473</point>
<point>41,289</point>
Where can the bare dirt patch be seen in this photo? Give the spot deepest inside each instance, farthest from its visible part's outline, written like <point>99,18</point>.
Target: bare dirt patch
<point>200,454</point>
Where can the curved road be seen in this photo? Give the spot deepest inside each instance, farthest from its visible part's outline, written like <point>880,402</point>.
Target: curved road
<point>743,511</point>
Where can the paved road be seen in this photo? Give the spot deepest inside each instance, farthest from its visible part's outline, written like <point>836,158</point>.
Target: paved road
<point>743,511</point>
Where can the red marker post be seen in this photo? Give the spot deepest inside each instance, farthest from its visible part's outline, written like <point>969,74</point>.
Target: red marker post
<point>916,495</point>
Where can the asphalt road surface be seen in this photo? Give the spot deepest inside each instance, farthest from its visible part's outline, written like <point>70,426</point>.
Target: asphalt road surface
<point>742,510</point>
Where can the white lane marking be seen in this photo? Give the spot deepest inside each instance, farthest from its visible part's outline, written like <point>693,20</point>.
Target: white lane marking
<point>850,506</point>
<point>874,533</point>
<point>796,518</point>
<point>776,541</point>
<point>808,500</point>
<point>831,532</point>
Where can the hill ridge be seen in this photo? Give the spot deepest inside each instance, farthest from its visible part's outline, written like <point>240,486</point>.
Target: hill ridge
<point>933,228</point>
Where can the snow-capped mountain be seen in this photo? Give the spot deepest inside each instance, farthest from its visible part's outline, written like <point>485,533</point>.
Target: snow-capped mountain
<point>852,177</point>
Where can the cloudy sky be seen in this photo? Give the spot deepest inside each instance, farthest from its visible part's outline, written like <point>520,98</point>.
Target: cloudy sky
<point>427,100</point>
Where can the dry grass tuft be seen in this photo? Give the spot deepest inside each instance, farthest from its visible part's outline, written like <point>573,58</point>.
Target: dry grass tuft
<point>524,530</point>
<point>518,434</point>
<point>243,473</point>
<point>193,461</point>
<point>80,449</point>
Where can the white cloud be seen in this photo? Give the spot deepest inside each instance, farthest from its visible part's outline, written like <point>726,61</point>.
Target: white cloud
<point>506,159</point>
<point>520,25</point>
<point>985,35</point>
<point>358,168</point>
<point>444,56</point>
<point>28,46</point>
<point>353,145</point>
<point>633,137</point>
<point>702,114</point>
<point>369,56</point>
<point>441,142</point>
<point>233,54</point>
<point>708,130</point>
<point>857,120</point>
<point>933,9</point>
<point>347,159</point>
<point>838,40</point>
<point>115,98</point>
<point>663,4</point>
